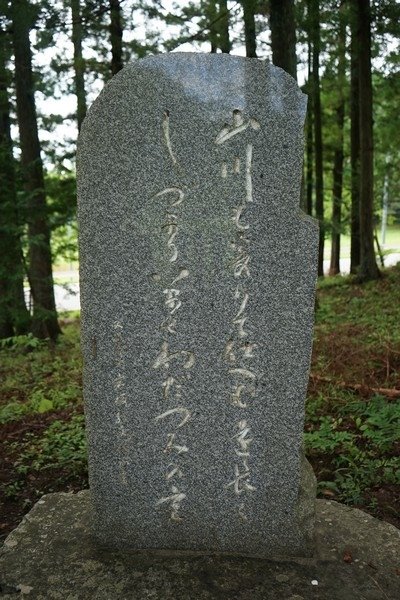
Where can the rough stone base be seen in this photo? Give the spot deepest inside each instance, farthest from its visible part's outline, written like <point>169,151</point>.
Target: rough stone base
<point>51,555</point>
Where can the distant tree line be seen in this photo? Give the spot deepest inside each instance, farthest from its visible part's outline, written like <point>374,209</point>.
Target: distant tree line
<point>335,40</point>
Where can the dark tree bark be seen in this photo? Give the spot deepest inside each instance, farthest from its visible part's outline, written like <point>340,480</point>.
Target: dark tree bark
<point>79,63</point>
<point>317,115</point>
<point>283,35</point>
<point>224,40</point>
<point>213,25</point>
<point>116,36</point>
<point>334,268</point>
<point>354,143</point>
<point>44,321</point>
<point>310,137</point>
<point>368,267</point>
<point>14,316</point>
<point>249,8</point>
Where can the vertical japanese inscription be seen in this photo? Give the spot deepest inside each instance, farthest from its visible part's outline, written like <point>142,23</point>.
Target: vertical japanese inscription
<point>119,384</point>
<point>174,364</point>
<point>239,351</point>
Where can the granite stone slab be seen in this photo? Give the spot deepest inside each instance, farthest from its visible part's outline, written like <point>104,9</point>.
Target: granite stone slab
<point>52,556</point>
<point>197,290</point>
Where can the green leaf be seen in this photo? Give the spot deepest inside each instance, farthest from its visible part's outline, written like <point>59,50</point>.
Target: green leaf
<point>44,405</point>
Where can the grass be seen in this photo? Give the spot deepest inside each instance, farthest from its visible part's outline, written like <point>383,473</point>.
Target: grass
<point>37,377</point>
<point>352,434</point>
<point>41,421</point>
<point>392,242</point>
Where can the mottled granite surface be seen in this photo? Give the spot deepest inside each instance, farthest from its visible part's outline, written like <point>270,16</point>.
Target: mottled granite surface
<point>197,289</point>
<point>52,556</point>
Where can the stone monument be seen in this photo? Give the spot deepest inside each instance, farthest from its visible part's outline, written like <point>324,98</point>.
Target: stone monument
<point>197,288</point>
<point>197,276</point>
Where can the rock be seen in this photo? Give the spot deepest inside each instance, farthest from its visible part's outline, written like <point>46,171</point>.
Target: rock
<point>197,287</point>
<point>53,555</point>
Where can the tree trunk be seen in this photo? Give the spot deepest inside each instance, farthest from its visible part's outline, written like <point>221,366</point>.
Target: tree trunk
<point>310,146</point>
<point>319,176</point>
<point>79,63</point>
<point>44,321</point>
<point>14,316</point>
<point>354,143</point>
<point>283,35</point>
<point>211,12</point>
<point>116,36</point>
<point>334,268</point>
<point>368,266</point>
<point>224,40</point>
<point>249,7</point>
<point>385,207</point>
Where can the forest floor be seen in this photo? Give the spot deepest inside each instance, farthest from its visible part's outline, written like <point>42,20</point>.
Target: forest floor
<point>352,413</point>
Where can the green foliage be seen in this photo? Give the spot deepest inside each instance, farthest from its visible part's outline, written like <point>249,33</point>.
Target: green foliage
<point>13,489</point>
<point>12,411</point>
<point>327,438</point>
<point>37,377</point>
<point>360,442</point>
<point>40,401</point>
<point>62,445</point>
<point>60,450</point>
<point>25,342</point>
<point>372,309</point>
<point>378,420</point>
<point>352,440</point>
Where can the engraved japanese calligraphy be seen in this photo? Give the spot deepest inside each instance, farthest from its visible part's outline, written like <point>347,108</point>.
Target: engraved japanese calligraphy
<point>174,365</point>
<point>239,349</point>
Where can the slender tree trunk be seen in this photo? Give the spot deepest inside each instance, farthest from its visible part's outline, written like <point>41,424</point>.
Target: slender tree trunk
<point>213,25</point>
<point>319,176</point>
<point>283,35</point>
<point>224,40</point>
<point>309,165</point>
<point>334,268</point>
<point>354,143</point>
<point>44,322</point>
<point>310,137</point>
<point>249,8</point>
<point>338,155</point>
<point>368,266</point>
<point>79,63</point>
<point>14,316</point>
<point>116,36</point>
<point>385,206</point>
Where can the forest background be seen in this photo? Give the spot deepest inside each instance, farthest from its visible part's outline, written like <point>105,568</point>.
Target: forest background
<point>55,57</point>
<point>60,54</point>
